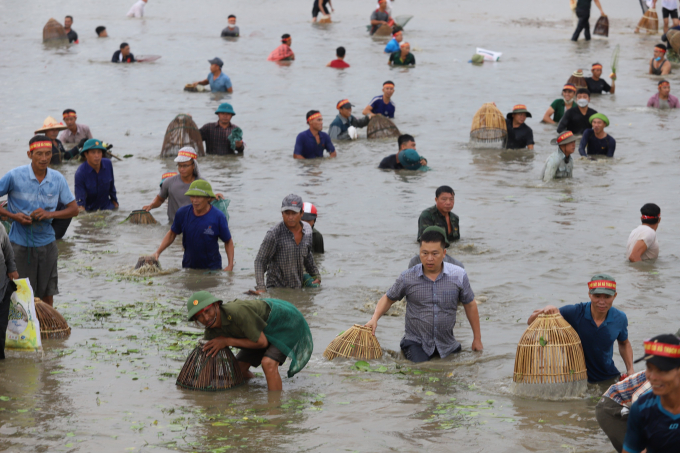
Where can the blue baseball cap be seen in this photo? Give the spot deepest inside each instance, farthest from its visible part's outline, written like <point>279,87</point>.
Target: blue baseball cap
<point>216,61</point>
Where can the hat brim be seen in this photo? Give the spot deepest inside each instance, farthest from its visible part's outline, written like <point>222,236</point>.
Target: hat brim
<point>53,128</point>
<point>94,147</point>
<point>662,363</point>
<point>199,193</point>
<point>290,208</point>
<point>509,115</point>
<point>308,216</point>
<point>346,106</point>
<point>179,159</point>
<point>232,113</point>
<point>196,308</point>
<point>609,292</point>
<point>571,139</point>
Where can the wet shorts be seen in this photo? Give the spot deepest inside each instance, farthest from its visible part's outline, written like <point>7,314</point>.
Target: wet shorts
<point>254,356</point>
<point>612,421</point>
<point>39,265</point>
<point>414,351</point>
<point>673,13</point>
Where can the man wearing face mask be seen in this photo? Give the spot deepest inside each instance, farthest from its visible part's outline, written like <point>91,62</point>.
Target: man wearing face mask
<point>560,164</point>
<point>658,65</point>
<point>598,325</point>
<point>577,118</point>
<point>596,85</point>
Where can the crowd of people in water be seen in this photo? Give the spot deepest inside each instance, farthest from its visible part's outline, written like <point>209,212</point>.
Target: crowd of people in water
<point>639,410</point>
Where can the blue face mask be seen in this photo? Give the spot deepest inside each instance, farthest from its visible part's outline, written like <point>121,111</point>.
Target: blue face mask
<point>658,58</point>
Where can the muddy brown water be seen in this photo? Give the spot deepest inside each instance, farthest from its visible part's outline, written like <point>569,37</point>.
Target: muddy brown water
<point>110,386</point>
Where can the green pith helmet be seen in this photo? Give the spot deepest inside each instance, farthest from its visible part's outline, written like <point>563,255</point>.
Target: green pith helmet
<point>93,143</point>
<point>198,301</point>
<point>200,188</point>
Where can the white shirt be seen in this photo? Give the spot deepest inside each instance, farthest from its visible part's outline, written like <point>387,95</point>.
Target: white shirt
<point>647,234</point>
<point>668,4</point>
<point>137,9</point>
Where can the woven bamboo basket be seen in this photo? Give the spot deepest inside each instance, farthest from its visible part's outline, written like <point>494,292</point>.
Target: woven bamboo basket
<point>383,30</point>
<point>147,261</point>
<point>649,22</point>
<point>488,126</point>
<point>381,127</point>
<point>673,37</point>
<point>211,374</point>
<point>181,132</point>
<point>358,342</point>
<point>577,79</point>
<point>550,360</point>
<point>53,31</point>
<point>52,323</point>
<point>602,27</point>
<point>140,217</point>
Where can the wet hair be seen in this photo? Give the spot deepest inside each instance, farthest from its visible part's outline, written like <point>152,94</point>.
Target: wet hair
<point>99,30</point>
<point>444,189</point>
<point>389,81</point>
<point>123,45</point>
<point>405,138</point>
<point>69,17</point>
<point>662,81</point>
<point>651,210</point>
<point>433,236</point>
<point>582,91</point>
<point>662,47</point>
<point>231,16</point>
<point>68,111</point>
<point>310,113</point>
<point>340,52</point>
<point>285,37</point>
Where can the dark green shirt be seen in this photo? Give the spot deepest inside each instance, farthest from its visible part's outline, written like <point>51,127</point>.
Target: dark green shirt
<point>396,60</point>
<point>241,319</point>
<point>432,217</point>
<point>317,241</point>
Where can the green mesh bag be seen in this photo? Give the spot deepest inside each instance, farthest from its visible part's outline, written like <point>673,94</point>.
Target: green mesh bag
<point>222,205</point>
<point>235,136</point>
<point>289,332</point>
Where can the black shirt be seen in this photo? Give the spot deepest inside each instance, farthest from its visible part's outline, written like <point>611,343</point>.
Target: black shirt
<point>575,121</point>
<point>390,162</point>
<point>72,36</point>
<point>59,154</point>
<point>317,241</point>
<point>597,86</point>
<point>116,58</point>
<point>519,137</point>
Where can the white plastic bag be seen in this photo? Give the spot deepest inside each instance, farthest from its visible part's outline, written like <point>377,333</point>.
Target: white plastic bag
<point>489,55</point>
<point>23,329</point>
<point>352,132</point>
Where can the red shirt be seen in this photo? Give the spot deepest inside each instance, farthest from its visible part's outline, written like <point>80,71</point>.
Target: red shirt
<point>340,64</point>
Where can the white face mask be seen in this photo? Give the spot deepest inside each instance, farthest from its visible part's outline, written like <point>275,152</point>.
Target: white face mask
<point>582,102</point>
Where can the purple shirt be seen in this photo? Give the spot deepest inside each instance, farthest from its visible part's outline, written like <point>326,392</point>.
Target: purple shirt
<point>672,101</point>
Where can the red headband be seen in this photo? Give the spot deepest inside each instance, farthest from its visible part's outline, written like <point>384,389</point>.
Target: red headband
<point>519,107</point>
<point>188,154</point>
<point>68,115</point>
<point>608,284</point>
<point>564,136</point>
<point>569,87</point>
<point>597,66</point>
<point>388,84</point>
<point>168,175</point>
<point>313,117</point>
<point>660,49</point>
<point>36,145</point>
<point>341,103</point>
<point>662,349</point>
<point>649,217</point>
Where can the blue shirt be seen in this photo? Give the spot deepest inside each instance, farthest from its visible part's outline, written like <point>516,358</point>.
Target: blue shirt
<point>95,191</point>
<point>379,106</point>
<point>591,145</point>
<point>598,342</point>
<point>222,83</point>
<point>25,195</point>
<point>307,147</point>
<point>199,237</point>
<point>392,46</point>
<point>652,427</point>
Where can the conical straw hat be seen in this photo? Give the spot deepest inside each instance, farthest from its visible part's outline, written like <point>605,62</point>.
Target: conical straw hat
<point>51,124</point>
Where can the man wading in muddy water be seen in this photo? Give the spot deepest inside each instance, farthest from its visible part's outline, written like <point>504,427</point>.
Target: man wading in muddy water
<point>266,331</point>
<point>432,290</point>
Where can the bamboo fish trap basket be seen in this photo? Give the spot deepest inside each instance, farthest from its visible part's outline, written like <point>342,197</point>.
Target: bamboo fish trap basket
<point>550,361</point>
<point>53,31</point>
<point>649,22</point>
<point>181,132</point>
<point>381,127</point>
<point>602,26</point>
<point>577,79</point>
<point>52,323</point>
<point>211,374</point>
<point>673,37</point>
<point>140,217</point>
<point>489,128</point>
<point>358,342</point>
<point>147,261</point>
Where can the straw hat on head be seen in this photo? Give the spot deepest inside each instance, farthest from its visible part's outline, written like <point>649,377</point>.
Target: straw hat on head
<point>50,124</point>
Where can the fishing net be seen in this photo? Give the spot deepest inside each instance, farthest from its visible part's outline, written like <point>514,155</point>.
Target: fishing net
<point>52,323</point>
<point>235,136</point>
<point>53,31</point>
<point>140,217</point>
<point>357,342</point>
<point>601,27</point>
<point>649,22</point>
<point>222,205</point>
<point>578,80</point>
<point>289,332</point>
<point>381,127</point>
<point>181,132</point>
<point>549,362</point>
<point>673,37</point>
<point>202,372</point>
<point>488,127</point>
<point>401,21</point>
